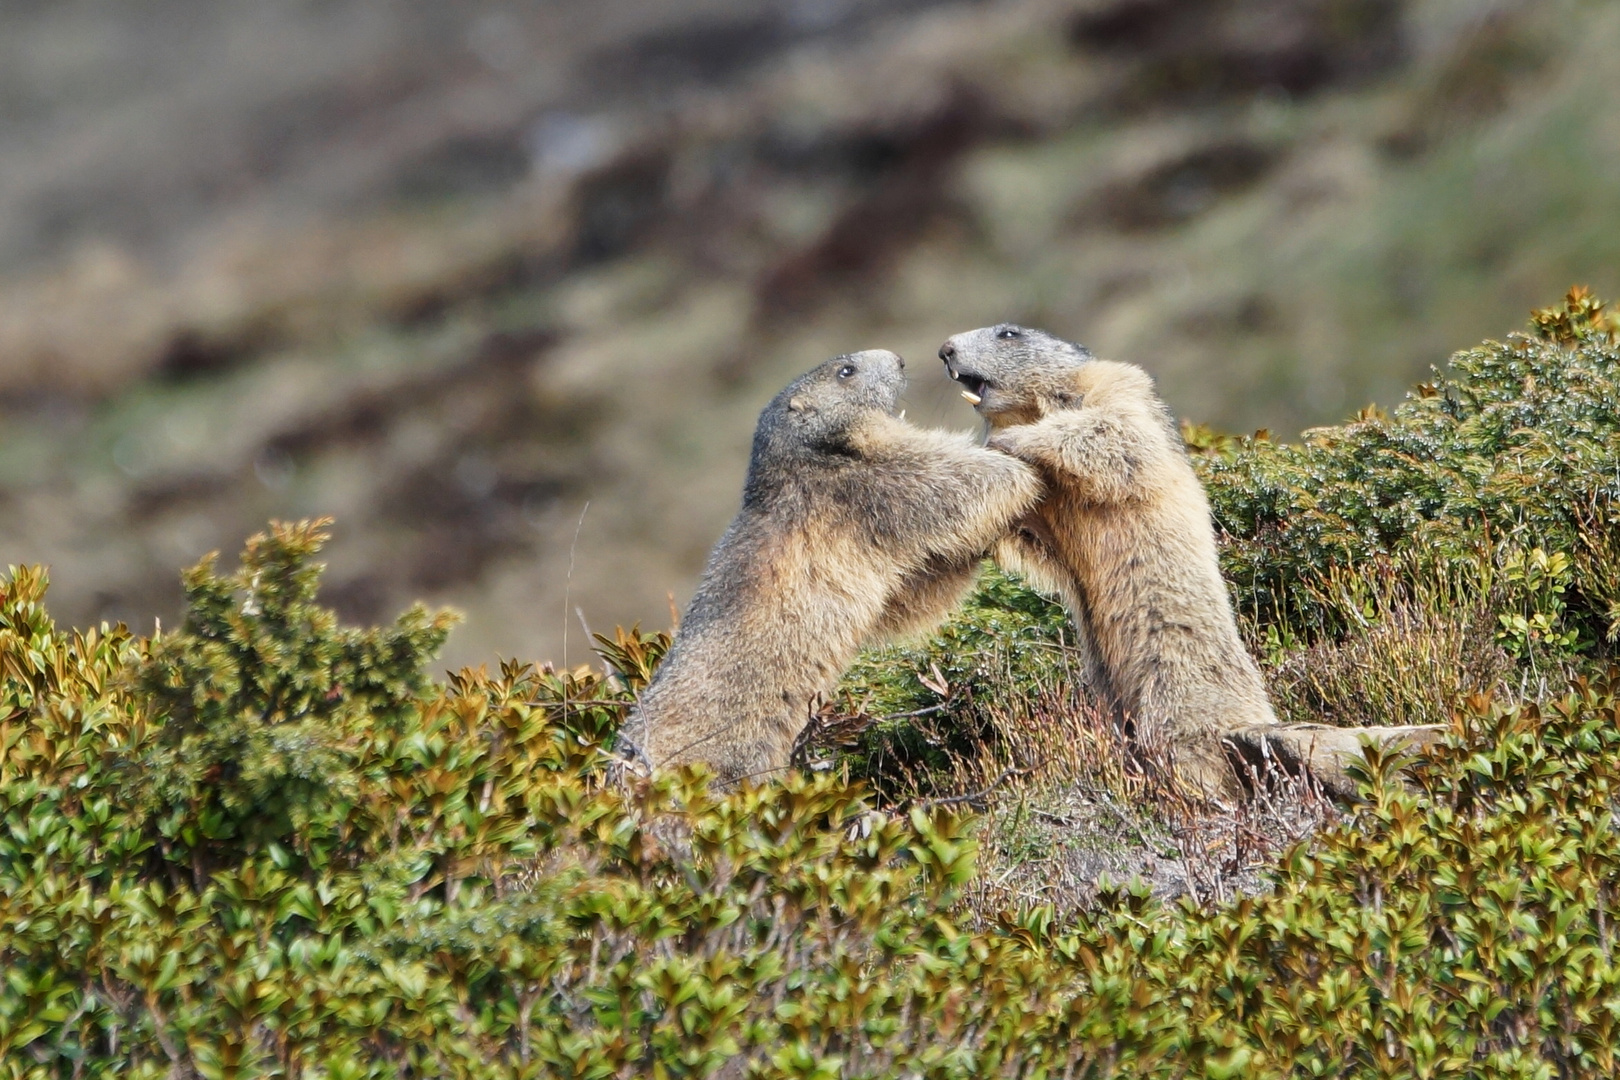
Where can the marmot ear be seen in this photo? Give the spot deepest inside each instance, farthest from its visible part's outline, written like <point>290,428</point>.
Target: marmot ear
<point>1070,401</point>
<point>798,404</point>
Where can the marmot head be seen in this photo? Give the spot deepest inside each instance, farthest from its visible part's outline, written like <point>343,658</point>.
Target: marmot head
<point>1011,374</point>
<point>821,408</point>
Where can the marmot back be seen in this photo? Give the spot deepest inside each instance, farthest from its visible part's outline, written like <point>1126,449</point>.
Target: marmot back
<point>853,524</point>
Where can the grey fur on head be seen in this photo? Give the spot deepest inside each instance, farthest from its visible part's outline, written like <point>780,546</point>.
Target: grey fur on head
<point>804,418</point>
<point>1004,368</point>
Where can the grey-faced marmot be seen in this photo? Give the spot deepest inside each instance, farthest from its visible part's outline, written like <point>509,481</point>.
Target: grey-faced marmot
<point>1124,535</point>
<point>854,524</point>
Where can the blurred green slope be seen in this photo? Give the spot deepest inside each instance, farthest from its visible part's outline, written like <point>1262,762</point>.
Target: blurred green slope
<point>478,287</point>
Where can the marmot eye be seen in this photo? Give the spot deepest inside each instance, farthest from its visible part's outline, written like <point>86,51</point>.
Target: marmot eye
<point>1009,332</point>
<point>846,371</point>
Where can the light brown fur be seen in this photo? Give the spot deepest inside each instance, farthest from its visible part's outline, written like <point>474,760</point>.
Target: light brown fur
<point>854,525</point>
<point>1125,536</point>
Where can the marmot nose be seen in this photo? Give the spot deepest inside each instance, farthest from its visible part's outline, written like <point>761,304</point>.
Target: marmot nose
<point>946,351</point>
<point>900,360</point>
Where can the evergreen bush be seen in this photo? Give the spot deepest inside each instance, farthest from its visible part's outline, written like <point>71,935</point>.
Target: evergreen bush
<point>265,844</point>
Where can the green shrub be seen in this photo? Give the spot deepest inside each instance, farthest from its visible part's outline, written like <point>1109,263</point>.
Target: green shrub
<point>265,844</point>
<point>469,892</point>
<point>925,708</point>
<point>1514,448</point>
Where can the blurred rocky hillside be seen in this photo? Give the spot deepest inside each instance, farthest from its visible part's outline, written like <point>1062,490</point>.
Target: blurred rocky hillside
<point>504,285</point>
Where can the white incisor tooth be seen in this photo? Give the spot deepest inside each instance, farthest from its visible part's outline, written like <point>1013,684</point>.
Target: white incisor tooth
<point>972,398</point>
<point>902,415</point>
<point>954,375</point>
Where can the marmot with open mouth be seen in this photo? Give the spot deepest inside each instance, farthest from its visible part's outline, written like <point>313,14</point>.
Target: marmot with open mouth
<point>1126,537</point>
